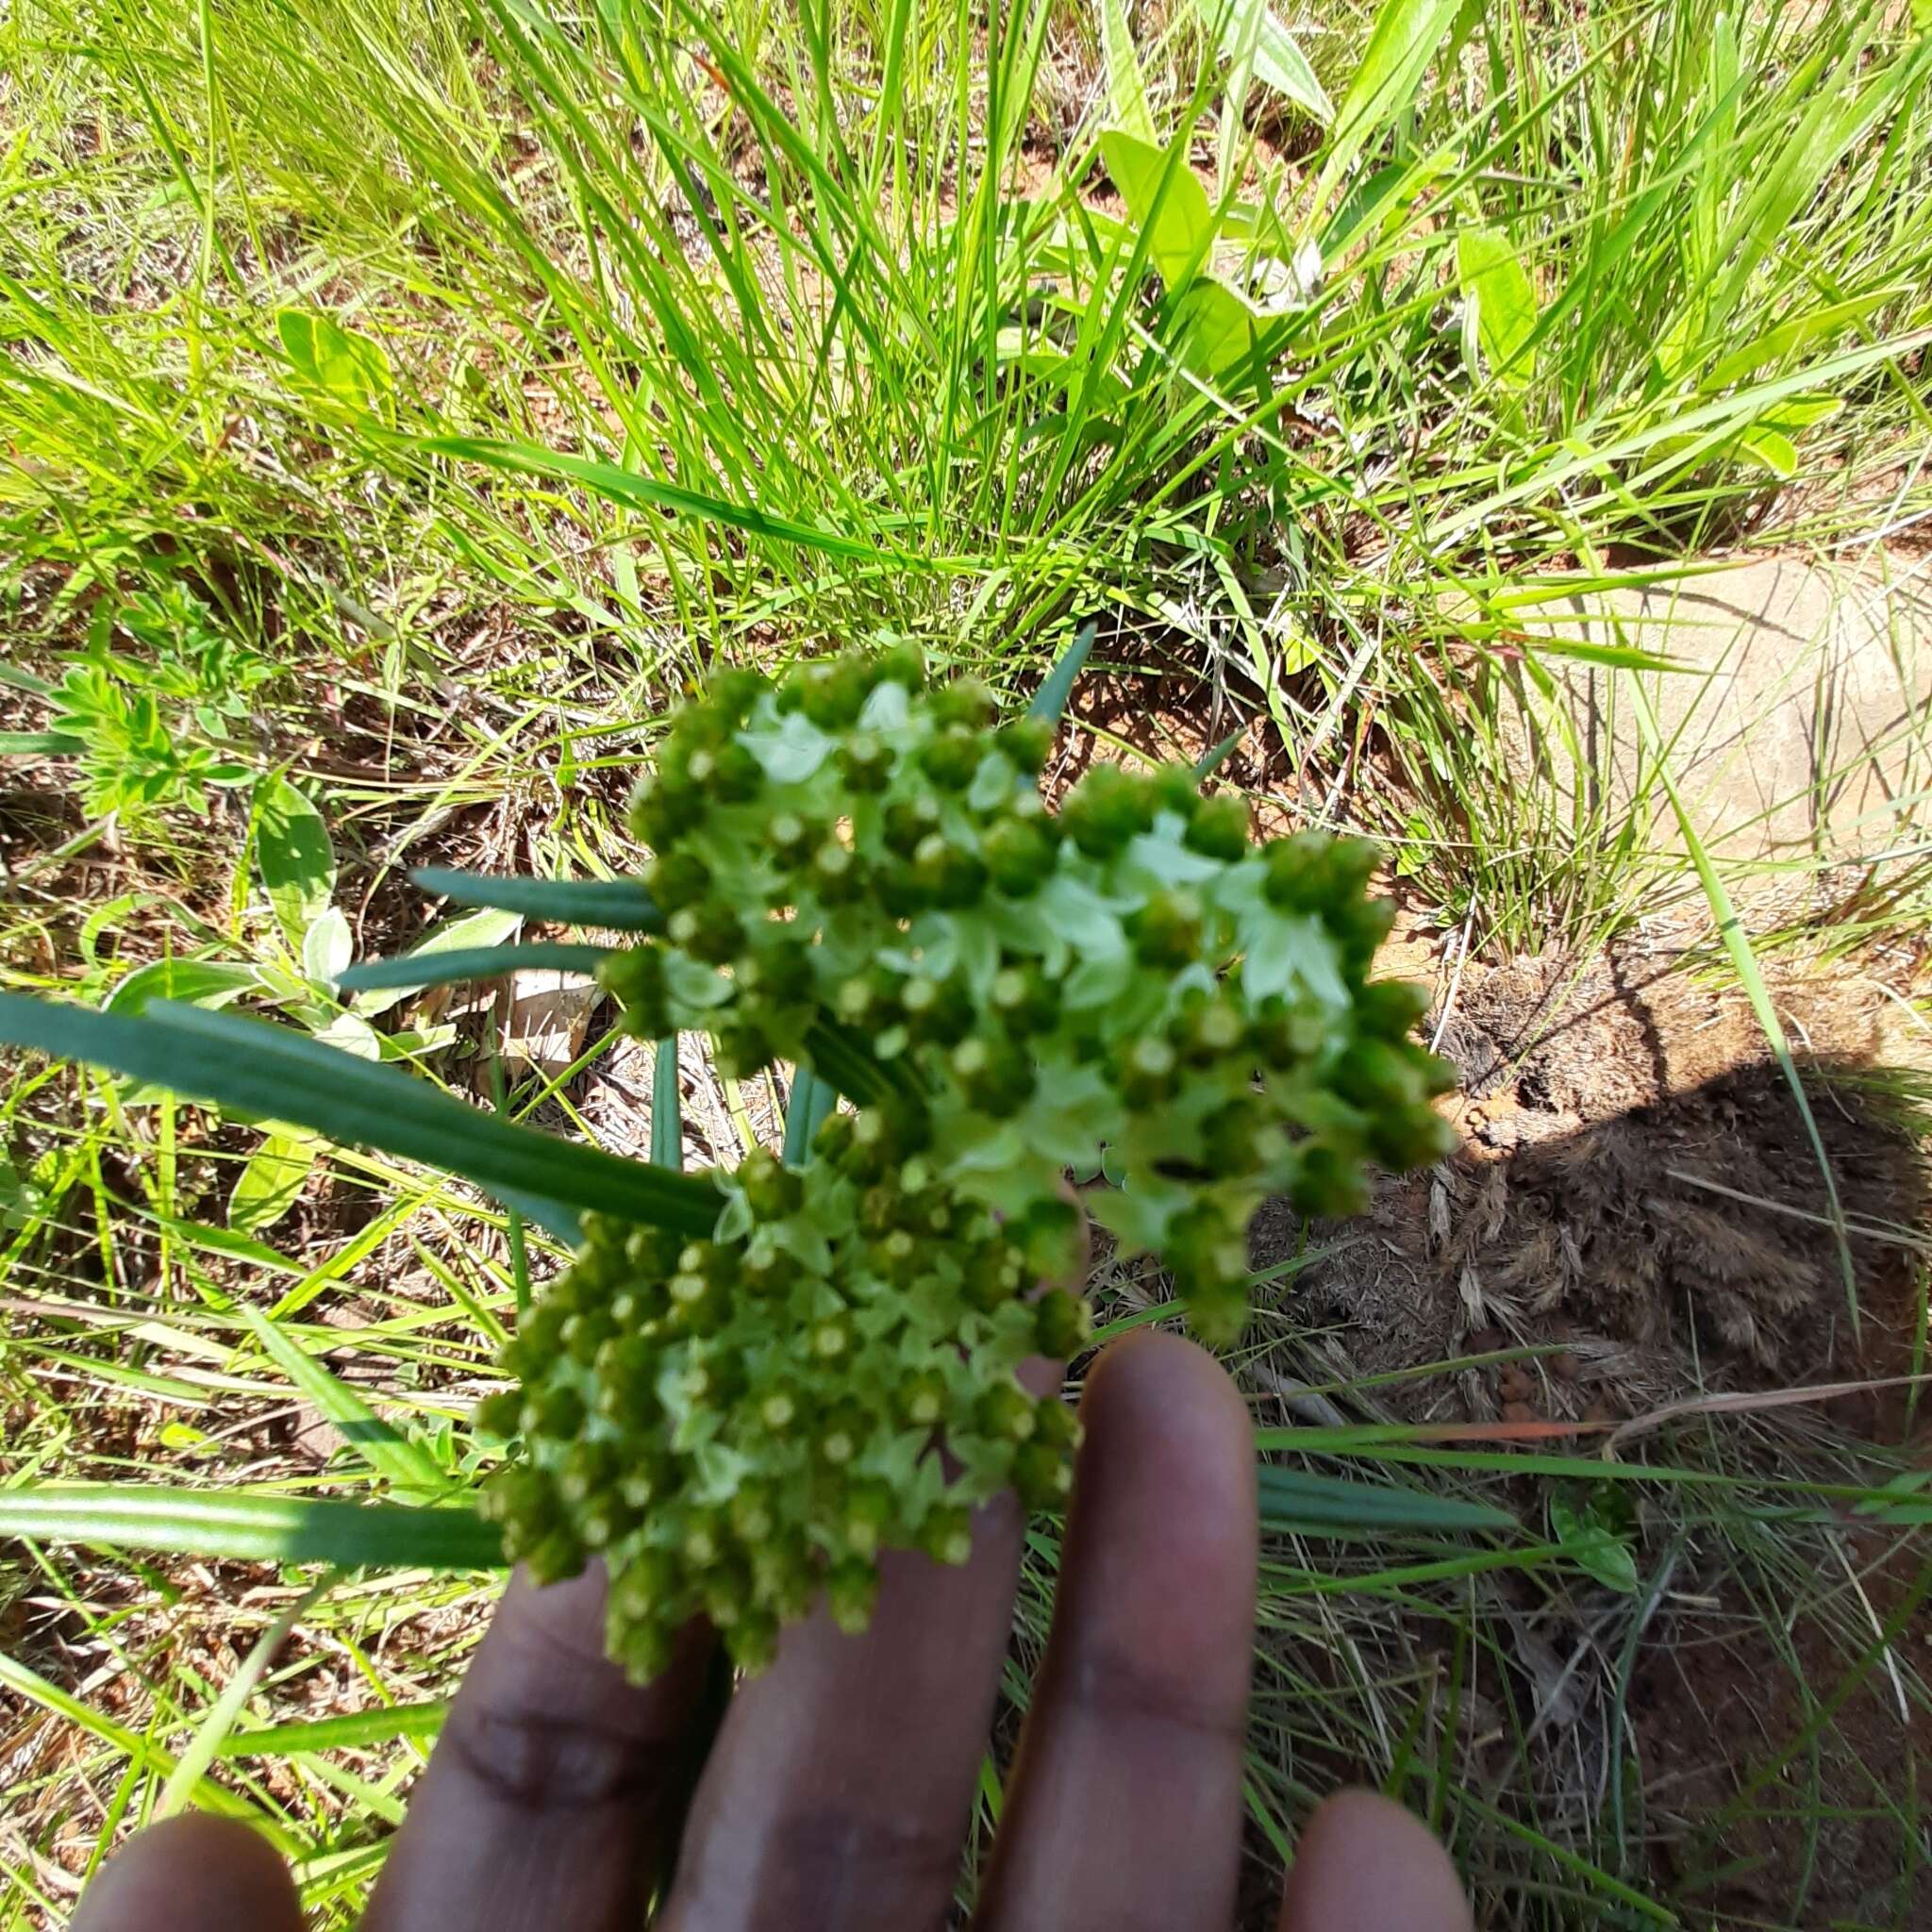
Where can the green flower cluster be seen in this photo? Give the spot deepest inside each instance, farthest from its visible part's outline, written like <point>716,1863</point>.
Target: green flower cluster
<point>857,872</point>
<point>735,1423</point>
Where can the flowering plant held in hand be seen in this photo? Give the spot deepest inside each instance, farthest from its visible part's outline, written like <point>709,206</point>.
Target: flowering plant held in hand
<point>853,871</point>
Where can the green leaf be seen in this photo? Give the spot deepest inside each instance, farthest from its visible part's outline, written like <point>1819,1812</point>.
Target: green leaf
<point>1497,287</point>
<point>384,1448</point>
<point>810,1101</point>
<point>1401,44</point>
<point>196,982</point>
<point>1167,203</point>
<point>1294,1499</point>
<point>1771,448</point>
<point>415,971</point>
<point>467,931</point>
<point>617,485</point>
<point>353,1730</point>
<point>1049,700</point>
<point>619,904</point>
<point>667,1122</point>
<point>25,744</point>
<point>348,368</point>
<point>327,946</point>
<point>1800,331</point>
<point>1127,93</point>
<point>1212,759</point>
<point>294,855</point>
<point>1594,1548</point>
<point>253,1529</point>
<point>1216,327</point>
<point>271,1182</point>
<point>1248,30</point>
<point>274,1073</point>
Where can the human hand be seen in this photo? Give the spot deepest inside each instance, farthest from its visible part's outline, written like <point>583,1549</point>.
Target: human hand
<point>838,1789</point>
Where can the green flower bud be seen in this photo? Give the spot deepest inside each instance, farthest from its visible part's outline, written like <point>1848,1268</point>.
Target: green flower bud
<point>1220,828</point>
<point>938,1011</point>
<point>1062,1324</point>
<point>1043,1476</point>
<point>1106,809</point>
<point>1328,1185</point>
<point>836,874</point>
<point>498,1415</point>
<point>1148,1071</point>
<point>1005,1413</point>
<point>946,1535</point>
<point>852,1591</point>
<point>752,1640</point>
<point>1025,999</point>
<point>711,933</point>
<point>728,776</point>
<point>1019,856</point>
<point>866,761</point>
<point>1167,930</point>
<point>793,840</point>
<point>868,1515</point>
<point>678,881</point>
<point>950,758</point>
<point>1027,744</point>
<point>994,1076</point>
<point>908,822</point>
<point>772,1190</point>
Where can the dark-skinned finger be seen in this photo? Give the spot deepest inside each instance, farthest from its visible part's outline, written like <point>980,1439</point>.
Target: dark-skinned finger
<point>1365,1865</point>
<point>1125,1804</point>
<point>837,1791</point>
<point>551,1789</point>
<point>194,1873</point>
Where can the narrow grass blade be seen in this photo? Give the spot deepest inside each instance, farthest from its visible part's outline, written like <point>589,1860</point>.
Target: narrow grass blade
<point>386,1449</point>
<point>289,1529</point>
<point>614,903</point>
<point>477,962</point>
<point>203,1749</point>
<point>811,1101</point>
<point>617,485</point>
<point>26,744</point>
<point>667,1103</point>
<point>355,1730</point>
<point>1295,1499</point>
<point>272,1072</point>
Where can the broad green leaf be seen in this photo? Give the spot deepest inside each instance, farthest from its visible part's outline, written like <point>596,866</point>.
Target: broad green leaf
<point>1127,93</point>
<point>620,904</point>
<point>1401,44</point>
<point>274,1073</point>
<point>253,1529</point>
<point>197,982</point>
<point>468,932</point>
<point>327,946</point>
<point>1247,29</point>
<point>293,855</point>
<point>617,485</point>
<point>1594,1548</point>
<point>415,971</point>
<point>384,1448</point>
<point>1216,329</point>
<point>271,1182</point>
<point>1049,700</point>
<point>1497,287</point>
<point>1771,448</point>
<point>350,1033</point>
<point>348,368</point>
<point>1167,203</point>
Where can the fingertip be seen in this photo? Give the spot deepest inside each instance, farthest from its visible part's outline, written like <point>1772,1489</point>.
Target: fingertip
<point>191,1873</point>
<point>1364,1864</point>
<point>1175,1401</point>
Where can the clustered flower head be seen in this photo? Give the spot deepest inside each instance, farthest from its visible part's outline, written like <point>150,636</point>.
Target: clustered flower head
<point>856,874</point>
<point>735,1423</point>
